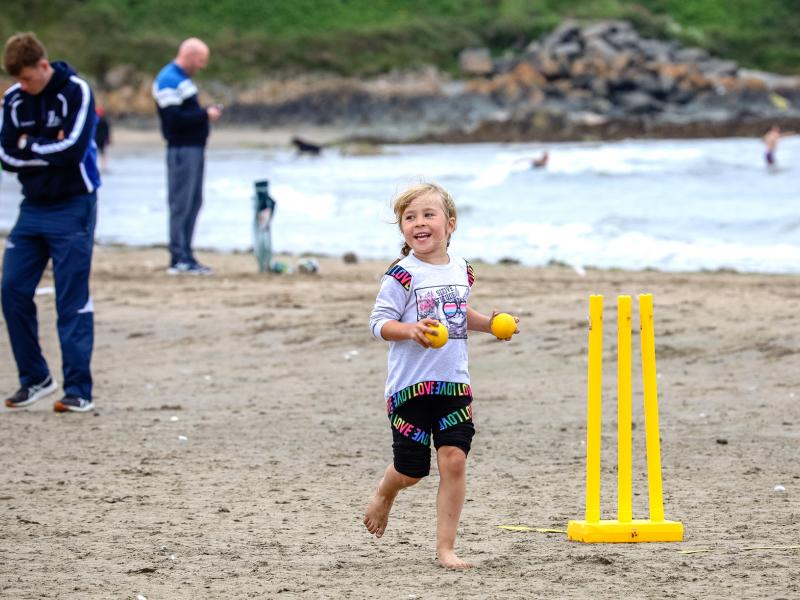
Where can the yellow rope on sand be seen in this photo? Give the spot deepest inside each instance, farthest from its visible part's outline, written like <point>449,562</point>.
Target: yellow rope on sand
<point>526,528</point>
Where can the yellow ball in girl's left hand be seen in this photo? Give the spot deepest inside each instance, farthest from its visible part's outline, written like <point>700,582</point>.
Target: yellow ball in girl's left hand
<point>439,340</point>
<point>503,326</point>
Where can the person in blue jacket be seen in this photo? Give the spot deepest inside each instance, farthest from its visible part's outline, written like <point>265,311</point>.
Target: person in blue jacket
<point>47,138</point>
<point>185,127</point>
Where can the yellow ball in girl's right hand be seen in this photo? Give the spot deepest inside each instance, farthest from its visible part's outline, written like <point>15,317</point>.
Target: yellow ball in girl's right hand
<point>439,340</point>
<point>503,326</point>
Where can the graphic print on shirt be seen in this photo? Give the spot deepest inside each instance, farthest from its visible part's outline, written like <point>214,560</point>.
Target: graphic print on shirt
<point>448,305</point>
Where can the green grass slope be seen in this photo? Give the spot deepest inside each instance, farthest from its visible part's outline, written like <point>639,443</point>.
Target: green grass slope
<point>363,37</point>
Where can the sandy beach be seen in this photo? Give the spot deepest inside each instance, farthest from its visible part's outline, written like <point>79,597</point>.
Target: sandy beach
<point>240,429</point>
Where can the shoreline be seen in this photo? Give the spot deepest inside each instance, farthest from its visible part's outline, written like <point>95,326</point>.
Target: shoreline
<point>232,136</point>
<point>553,264</point>
<point>580,270</point>
<point>228,137</point>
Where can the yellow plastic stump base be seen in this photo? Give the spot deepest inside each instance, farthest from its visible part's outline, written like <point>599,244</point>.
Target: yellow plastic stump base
<point>636,530</point>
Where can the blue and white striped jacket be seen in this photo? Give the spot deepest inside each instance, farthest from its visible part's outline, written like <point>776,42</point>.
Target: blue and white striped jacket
<point>183,121</point>
<point>51,169</point>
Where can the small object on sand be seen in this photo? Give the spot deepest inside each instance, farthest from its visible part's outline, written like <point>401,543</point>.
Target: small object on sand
<point>173,418</point>
<point>279,267</point>
<point>722,441</point>
<point>183,438</point>
<point>779,488</point>
<point>308,266</point>
<point>350,258</point>
<point>793,547</point>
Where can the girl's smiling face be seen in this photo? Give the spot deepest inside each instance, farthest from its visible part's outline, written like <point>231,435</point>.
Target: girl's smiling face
<point>426,228</point>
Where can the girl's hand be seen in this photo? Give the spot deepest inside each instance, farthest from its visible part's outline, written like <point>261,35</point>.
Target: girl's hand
<point>417,331</point>
<point>516,320</point>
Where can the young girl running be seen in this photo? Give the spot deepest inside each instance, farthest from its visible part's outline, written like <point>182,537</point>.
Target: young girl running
<point>428,390</point>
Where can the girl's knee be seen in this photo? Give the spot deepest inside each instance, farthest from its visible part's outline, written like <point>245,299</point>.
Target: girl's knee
<point>452,460</point>
<point>401,479</point>
<point>409,481</point>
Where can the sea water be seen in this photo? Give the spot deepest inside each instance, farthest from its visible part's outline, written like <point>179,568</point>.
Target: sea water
<point>672,205</point>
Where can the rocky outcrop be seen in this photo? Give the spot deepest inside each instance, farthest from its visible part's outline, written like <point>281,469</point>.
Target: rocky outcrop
<point>594,81</point>
<point>604,77</point>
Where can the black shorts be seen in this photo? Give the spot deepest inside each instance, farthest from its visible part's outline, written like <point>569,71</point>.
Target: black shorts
<point>437,409</point>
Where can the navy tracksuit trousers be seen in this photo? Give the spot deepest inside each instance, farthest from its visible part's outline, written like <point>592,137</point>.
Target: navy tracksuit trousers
<point>185,166</point>
<point>63,232</point>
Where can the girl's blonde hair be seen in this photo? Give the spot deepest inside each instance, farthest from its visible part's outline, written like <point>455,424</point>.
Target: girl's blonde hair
<point>402,202</point>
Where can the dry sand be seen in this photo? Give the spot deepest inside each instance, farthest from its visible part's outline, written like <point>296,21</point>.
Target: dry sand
<point>286,438</point>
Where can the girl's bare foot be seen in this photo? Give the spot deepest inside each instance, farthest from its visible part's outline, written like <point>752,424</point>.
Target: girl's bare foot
<point>449,560</point>
<point>377,515</point>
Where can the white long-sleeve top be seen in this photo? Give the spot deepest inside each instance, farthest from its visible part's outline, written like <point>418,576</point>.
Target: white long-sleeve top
<point>410,291</point>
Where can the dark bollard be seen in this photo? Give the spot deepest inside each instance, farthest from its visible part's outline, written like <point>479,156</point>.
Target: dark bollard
<point>264,209</point>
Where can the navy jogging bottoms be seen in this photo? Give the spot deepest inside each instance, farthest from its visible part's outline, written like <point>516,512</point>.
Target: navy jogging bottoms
<point>63,232</point>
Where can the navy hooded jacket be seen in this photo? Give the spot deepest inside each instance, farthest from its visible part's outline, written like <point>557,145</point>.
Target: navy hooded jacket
<point>50,169</point>
<point>183,121</point>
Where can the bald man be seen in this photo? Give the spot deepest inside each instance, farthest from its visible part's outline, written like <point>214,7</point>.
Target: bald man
<point>185,126</point>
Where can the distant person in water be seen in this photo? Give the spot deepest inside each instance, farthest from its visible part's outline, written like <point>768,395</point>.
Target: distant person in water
<point>770,140</point>
<point>541,162</point>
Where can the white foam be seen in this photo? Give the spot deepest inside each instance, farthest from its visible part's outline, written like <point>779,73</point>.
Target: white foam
<point>676,205</point>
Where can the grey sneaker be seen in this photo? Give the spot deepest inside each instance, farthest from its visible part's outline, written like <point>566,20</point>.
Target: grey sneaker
<point>178,268</point>
<point>192,268</point>
<point>197,269</point>
<point>25,396</point>
<point>73,404</point>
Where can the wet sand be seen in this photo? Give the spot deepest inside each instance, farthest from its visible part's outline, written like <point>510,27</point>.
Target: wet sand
<point>240,430</point>
<point>229,136</point>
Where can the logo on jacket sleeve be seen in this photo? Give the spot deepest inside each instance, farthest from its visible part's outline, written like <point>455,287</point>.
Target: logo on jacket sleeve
<point>402,276</point>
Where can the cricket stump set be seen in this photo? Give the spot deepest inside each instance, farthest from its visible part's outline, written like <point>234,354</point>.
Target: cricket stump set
<point>624,528</point>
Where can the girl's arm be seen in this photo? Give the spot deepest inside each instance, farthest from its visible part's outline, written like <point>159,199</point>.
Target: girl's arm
<point>395,331</point>
<point>478,321</point>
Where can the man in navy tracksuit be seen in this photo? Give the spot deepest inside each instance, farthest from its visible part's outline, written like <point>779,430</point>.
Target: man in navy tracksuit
<point>47,138</point>
<point>185,125</point>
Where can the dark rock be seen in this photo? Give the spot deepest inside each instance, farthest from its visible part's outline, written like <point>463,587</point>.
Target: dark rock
<point>604,29</point>
<point>567,51</point>
<point>656,50</point>
<point>597,46</point>
<point>638,103</point>
<point>565,33</point>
